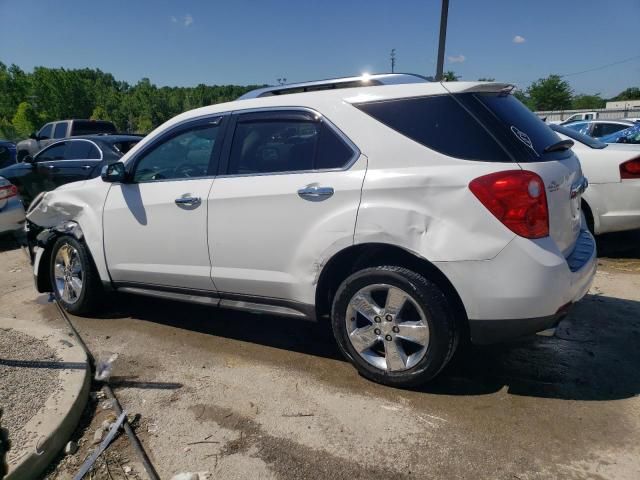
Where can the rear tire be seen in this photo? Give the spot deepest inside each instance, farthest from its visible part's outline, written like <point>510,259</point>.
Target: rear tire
<point>394,325</point>
<point>588,216</point>
<point>74,279</point>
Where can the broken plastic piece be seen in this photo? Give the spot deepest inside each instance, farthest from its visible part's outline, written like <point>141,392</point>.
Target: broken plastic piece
<point>105,367</point>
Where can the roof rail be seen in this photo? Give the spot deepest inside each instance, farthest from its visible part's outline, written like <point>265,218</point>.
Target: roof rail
<point>365,80</point>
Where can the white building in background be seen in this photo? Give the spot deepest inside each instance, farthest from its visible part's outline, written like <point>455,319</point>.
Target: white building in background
<point>623,104</point>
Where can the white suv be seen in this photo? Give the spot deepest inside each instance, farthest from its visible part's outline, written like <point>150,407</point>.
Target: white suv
<point>413,216</point>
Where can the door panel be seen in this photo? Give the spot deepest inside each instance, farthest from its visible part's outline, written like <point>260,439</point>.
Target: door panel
<point>265,239</point>
<point>282,206</point>
<point>151,239</point>
<point>155,226</point>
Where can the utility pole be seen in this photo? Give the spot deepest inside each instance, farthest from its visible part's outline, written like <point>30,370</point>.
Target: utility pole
<point>443,38</point>
<point>393,60</point>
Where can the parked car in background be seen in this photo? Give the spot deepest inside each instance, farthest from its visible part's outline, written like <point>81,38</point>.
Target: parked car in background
<point>629,135</point>
<point>7,153</point>
<point>612,201</point>
<point>53,131</point>
<point>600,128</point>
<point>384,208</point>
<point>69,160</point>
<point>576,117</point>
<point>11,208</point>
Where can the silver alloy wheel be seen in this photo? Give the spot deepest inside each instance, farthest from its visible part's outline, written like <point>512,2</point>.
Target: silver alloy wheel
<point>68,274</point>
<point>387,327</point>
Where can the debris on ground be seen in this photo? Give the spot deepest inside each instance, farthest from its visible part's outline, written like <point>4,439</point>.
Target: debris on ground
<point>104,367</point>
<point>70,448</point>
<point>191,476</point>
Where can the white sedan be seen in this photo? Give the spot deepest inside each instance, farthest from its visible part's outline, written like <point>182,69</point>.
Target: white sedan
<point>612,201</point>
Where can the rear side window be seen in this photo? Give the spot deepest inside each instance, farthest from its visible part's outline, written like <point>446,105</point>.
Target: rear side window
<point>81,150</point>
<point>84,127</point>
<point>439,123</point>
<point>273,146</point>
<point>61,130</point>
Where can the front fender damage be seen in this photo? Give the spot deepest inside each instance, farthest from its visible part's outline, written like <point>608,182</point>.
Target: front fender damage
<point>74,209</point>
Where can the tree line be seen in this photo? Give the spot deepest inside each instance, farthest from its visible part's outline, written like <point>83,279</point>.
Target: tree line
<point>554,93</point>
<point>29,100</point>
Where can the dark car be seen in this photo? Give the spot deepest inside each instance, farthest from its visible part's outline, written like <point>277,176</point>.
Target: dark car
<point>66,161</point>
<point>7,153</point>
<point>53,131</point>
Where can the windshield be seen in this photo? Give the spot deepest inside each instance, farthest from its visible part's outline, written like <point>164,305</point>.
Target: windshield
<point>578,136</point>
<point>628,135</point>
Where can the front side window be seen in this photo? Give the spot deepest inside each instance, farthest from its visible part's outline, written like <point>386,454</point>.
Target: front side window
<point>45,132</point>
<point>579,127</point>
<point>285,145</point>
<point>186,154</point>
<point>56,152</point>
<point>61,130</point>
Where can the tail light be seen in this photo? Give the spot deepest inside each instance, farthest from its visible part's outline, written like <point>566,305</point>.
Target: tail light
<point>8,191</point>
<point>630,168</point>
<point>517,198</point>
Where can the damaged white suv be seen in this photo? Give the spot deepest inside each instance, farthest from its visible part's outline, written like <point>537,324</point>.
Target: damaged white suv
<point>413,216</point>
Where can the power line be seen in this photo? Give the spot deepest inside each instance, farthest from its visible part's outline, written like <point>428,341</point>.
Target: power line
<point>601,67</point>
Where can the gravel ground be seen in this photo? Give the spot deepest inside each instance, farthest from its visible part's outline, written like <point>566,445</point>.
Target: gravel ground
<point>24,390</point>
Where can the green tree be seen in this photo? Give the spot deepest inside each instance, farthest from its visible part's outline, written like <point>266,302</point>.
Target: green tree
<point>587,101</point>
<point>99,113</point>
<point>450,76</point>
<point>7,130</point>
<point>25,119</point>
<point>551,93</point>
<point>632,93</point>
<point>522,96</point>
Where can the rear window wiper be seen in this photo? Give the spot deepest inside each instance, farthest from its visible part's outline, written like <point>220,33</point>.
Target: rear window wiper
<point>559,146</point>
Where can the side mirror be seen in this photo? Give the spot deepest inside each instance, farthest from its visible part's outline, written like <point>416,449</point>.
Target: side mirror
<point>34,136</point>
<point>115,172</point>
<point>28,159</point>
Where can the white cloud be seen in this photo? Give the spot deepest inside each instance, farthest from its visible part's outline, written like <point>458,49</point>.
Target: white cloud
<point>457,59</point>
<point>185,20</point>
<point>519,39</point>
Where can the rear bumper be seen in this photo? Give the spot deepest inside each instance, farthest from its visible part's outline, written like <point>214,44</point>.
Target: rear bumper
<point>524,289</point>
<point>12,215</point>
<point>484,332</point>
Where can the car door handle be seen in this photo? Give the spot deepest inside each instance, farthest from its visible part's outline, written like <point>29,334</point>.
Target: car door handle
<point>315,193</point>
<point>189,201</point>
<point>86,167</point>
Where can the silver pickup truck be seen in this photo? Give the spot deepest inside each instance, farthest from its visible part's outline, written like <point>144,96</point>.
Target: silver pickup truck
<point>62,129</point>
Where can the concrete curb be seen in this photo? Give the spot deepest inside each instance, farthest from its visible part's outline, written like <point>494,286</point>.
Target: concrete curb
<point>56,421</point>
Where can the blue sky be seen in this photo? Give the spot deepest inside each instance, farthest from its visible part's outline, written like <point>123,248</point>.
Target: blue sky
<point>252,42</point>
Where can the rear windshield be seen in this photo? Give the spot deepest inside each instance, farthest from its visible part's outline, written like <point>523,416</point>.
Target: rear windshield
<point>492,127</point>
<point>576,135</point>
<point>86,127</point>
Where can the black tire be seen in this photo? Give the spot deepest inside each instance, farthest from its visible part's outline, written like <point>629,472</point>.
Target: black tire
<point>92,292</point>
<point>443,331</point>
<point>588,216</point>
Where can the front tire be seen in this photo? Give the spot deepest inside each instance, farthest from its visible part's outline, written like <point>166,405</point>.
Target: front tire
<point>394,325</point>
<point>74,279</point>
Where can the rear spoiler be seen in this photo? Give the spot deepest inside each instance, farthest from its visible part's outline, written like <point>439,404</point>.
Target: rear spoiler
<point>484,87</point>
